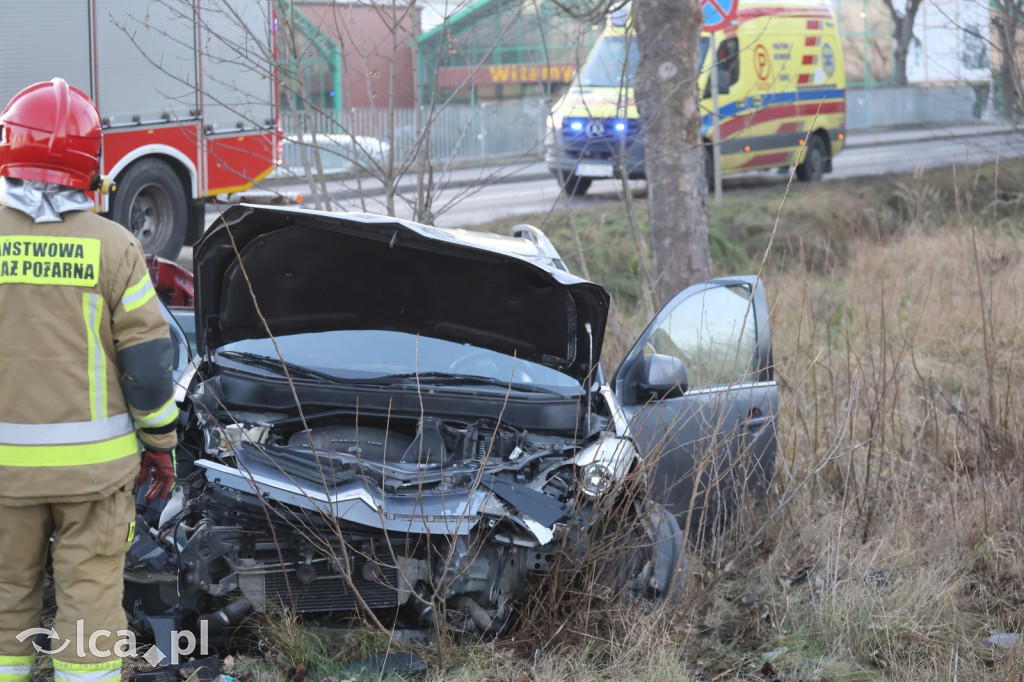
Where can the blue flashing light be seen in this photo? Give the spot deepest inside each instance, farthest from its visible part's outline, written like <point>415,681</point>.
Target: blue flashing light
<point>576,126</point>
<point>620,126</point>
<point>331,93</point>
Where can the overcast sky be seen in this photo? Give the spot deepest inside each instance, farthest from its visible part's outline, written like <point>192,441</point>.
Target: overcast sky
<point>434,11</point>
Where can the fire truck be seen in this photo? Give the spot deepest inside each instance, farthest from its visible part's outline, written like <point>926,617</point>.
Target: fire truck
<point>185,90</point>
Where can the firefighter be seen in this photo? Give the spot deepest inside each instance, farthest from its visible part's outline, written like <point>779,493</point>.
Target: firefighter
<point>85,375</point>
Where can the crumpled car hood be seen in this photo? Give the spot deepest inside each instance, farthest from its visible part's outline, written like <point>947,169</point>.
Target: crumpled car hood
<point>312,271</point>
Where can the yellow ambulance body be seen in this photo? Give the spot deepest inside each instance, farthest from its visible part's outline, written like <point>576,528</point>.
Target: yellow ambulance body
<point>782,97</point>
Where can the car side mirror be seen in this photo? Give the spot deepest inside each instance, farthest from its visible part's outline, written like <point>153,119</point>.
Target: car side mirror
<point>663,377</point>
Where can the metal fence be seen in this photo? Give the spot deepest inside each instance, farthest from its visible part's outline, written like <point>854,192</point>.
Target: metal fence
<point>460,132</point>
<point>885,107</point>
<point>516,128</point>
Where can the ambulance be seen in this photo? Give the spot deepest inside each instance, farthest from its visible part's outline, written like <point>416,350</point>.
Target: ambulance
<point>781,98</point>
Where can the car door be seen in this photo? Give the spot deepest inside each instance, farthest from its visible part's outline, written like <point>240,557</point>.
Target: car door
<point>699,392</point>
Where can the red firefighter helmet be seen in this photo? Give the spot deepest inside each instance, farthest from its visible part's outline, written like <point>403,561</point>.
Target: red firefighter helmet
<point>51,132</point>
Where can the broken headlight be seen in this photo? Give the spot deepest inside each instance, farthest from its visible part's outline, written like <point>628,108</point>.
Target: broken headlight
<point>596,479</point>
<point>604,463</point>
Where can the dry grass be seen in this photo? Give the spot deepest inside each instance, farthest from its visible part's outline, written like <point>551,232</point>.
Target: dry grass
<point>909,543</point>
<point>897,311</point>
<point>894,526</point>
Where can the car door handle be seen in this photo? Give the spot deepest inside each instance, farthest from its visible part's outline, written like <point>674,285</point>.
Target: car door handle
<point>756,418</point>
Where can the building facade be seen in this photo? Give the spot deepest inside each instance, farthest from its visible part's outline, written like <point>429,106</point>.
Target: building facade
<point>495,50</point>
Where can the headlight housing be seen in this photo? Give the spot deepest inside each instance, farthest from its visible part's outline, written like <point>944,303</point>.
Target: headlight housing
<point>596,479</point>
<point>605,463</point>
<point>554,121</point>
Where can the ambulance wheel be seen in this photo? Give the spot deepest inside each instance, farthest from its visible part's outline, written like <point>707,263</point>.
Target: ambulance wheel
<point>574,185</point>
<point>813,167</point>
<point>150,201</point>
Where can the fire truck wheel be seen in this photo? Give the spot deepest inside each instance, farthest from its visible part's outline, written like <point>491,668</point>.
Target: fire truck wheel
<point>151,202</point>
<point>813,167</point>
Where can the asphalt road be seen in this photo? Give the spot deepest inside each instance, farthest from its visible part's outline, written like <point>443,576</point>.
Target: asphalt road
<point>477,195</point>
<point>510,199</point>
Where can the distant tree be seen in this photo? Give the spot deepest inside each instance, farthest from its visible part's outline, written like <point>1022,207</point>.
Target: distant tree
<point>902,35</point>
<point>999,40</point>
<point>1008,22</point>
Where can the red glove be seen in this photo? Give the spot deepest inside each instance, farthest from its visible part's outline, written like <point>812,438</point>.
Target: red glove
<point>161,464</point>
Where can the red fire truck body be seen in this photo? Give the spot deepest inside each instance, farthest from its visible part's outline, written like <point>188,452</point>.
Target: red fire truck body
<point>185,89</point>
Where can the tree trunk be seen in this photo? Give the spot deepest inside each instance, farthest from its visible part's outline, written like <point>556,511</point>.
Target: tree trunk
<point>902,32</point>
<point>1007,25</point>
<point>665,87</point>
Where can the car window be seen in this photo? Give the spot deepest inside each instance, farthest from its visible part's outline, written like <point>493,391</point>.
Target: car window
<point>186,321</point>
<point>375,353</point>
<point>607,64</point>
<point>713,334</point>
<point>729,61</point>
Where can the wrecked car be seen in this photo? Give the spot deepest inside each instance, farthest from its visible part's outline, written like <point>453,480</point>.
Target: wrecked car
<point>411,422</point>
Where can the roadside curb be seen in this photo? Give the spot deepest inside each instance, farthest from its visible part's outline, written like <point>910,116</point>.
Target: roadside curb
<point>880,138</point>
<point>862,138</point>
<point>853,140</point>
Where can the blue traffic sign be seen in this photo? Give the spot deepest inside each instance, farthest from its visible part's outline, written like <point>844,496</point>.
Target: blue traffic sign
<point>718,13</point>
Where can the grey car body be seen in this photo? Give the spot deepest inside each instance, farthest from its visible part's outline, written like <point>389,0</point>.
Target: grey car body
<point>394,418</point>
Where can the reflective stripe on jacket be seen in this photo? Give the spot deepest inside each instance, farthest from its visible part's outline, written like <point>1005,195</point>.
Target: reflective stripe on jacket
<point>16,668</point>
<point>109,671</point>
<point>85,358</point>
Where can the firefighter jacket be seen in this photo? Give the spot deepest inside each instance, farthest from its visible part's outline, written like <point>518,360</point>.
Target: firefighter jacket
<point>85,359</point>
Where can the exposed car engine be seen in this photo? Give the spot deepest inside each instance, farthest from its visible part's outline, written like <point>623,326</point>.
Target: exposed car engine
<point>465,512</point>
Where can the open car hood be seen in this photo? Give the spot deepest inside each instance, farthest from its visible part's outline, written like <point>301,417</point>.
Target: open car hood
<point>313,271</point>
